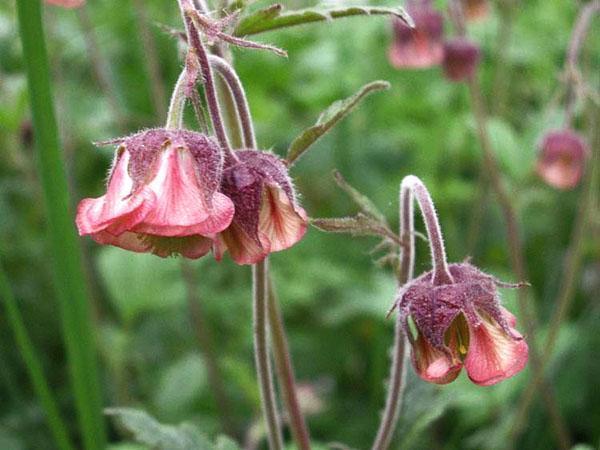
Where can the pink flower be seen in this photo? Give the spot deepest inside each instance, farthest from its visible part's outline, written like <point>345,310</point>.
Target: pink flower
<point>562,158</point>
<point>267,217</point>
<point>461,58</point>
<point>422,46</point>
<point>476,10</point>
<point>461,324</point>
<point>66,3</point>
<point>162,196</point>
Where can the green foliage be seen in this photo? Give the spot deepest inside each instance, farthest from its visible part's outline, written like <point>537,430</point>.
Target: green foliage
<point>333,296</point>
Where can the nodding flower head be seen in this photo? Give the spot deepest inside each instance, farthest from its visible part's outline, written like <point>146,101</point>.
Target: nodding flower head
<point>162,196</point>
<point>66,3</point>
<point>421,46</point>
<point>461,58</point>
<point>267,216</point>
<point>461,324</point>
<point>562,157</point>
<point>476,10</point>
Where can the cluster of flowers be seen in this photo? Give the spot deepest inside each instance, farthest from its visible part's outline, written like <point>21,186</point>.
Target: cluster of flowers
<point>425,46</point>
<point>562,152</point>
<point>172,192</point>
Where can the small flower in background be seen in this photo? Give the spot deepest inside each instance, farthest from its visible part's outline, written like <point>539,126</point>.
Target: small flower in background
<point>476,10</point>
<point>461,324</point>
<point>267,217</point>
<point>561,160</point>
<point>422,46</point>
<point>162,196</point>
<point>461,58</point>
<point>66,3</point>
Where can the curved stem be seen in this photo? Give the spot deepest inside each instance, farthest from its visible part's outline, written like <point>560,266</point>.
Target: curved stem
<point>177,103</point>
<point>261,354</point>
<point>34,367</point>
<point>196,44</point>
<point>400,349</point>
<point>441,274</point>
<point>239,96</point>
<point>285,371</point>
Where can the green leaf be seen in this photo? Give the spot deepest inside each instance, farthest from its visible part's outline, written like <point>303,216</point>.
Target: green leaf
<point>329,118</point>
<point>359,225</point>
<point>147,430</point>
<point>226,443</point>
<point>273,17</point>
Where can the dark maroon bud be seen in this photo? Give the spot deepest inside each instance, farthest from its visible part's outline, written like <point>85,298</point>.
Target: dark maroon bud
<point>562,158</point>
<point>267,215</point>
<point>461,58</point>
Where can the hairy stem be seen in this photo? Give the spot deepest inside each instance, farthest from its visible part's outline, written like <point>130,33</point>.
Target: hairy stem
<point>33,365</point>
<point>441,274</point>
<point>397,381</point>
<point>71,289</point>
<point>177,103</point>
<point>239,96</point>
<point>196,44</point>
<point>261,355</point>
<point>285,372</point>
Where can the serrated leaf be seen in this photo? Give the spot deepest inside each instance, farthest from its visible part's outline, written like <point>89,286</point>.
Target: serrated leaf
<point>363,202</point>
<point>329,118</point>
<point>147,430</point>
<point>273,17</point>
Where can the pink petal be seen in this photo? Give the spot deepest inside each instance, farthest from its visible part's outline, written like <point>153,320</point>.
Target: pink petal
<point>127,240</point>
<point>118,210</point>
<point>415,55</point>
<point>433,365</point>
<point>281,223</point>
<point>493,355</point>
<point>242,248</point>
<point>181,208</point>
<point>561,173</point>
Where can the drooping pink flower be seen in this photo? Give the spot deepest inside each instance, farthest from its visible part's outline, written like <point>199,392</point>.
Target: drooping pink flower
<point>562,157</point>
<point>162,196</point>
<point>476,10</point>
<point>422,46</point>
<point>267,216</point>
<point>461,324</point>
<point>66,3</point>
<point>461,58</point>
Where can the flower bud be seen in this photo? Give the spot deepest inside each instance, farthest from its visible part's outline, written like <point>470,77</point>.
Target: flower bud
<point>162,196</point>
<point>267,217</point>
<point>461,58</point>
<point>421,46</point>
<point>561,159</point>
<point>461,324</point>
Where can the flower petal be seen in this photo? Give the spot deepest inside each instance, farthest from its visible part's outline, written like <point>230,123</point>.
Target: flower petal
<point>243,249</point>
<point>181,209</point>
<point>433,365</point>
<point>493,355</point>
<point>281,223</point>
<point>118,210</point>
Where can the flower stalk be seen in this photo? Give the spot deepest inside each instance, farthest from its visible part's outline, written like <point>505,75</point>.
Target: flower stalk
<point>397,381</point>
<point>261,354</point>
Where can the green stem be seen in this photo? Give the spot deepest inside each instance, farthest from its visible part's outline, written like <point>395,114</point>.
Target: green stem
<point>34,367</point>
<point>68,271</point>
<point>261,354</point>
<point>177,103</point>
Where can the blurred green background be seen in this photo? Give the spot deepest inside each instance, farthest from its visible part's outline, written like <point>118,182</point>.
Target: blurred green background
<point>333,296</point>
